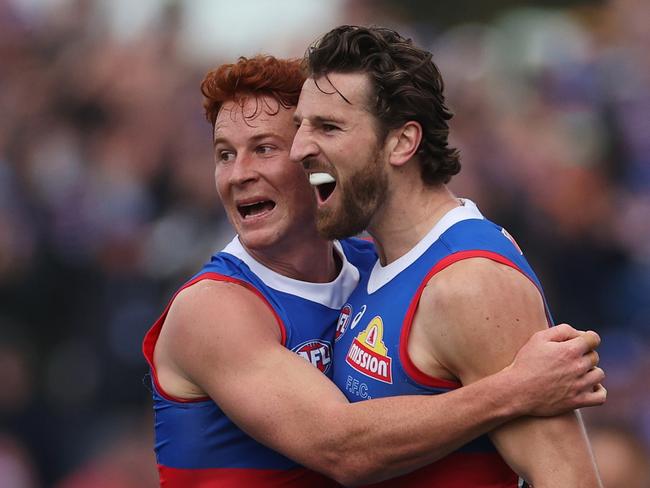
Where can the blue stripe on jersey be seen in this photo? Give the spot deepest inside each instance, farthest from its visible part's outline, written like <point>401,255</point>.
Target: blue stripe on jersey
<point>198,435</point>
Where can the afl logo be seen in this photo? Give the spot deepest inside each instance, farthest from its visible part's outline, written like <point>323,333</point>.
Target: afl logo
<point>317,352</point>
<point>344,321</point>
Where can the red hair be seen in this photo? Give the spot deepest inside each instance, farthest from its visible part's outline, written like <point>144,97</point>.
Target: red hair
<point>280,79</point>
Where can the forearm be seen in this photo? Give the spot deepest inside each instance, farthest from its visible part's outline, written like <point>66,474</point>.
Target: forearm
<point>549,452</point>
<point>378,439</point>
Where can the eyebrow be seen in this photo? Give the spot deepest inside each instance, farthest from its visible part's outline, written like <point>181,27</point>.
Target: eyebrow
<point>318,119</point>
<point>255,138</point>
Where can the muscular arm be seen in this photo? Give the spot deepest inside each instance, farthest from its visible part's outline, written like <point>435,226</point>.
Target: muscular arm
<point>484,312</point>
<point>221,340</point>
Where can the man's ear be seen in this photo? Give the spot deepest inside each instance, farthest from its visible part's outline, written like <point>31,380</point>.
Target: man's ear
<point>404,142</point>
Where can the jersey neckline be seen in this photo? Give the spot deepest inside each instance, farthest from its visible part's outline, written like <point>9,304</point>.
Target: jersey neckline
<point>382,275</point>
<point>332,295</point>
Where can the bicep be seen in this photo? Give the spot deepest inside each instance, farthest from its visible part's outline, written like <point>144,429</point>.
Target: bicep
<point>231,348</point>
<point>480,314</point>
<point>487,322</point>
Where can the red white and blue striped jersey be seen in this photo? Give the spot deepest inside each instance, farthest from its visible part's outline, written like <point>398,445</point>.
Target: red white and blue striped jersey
<point>197,445</point>
<point>370,353</point>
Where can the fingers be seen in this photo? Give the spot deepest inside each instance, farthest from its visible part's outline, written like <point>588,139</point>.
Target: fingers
<point>564,332</point>
<point>590,360</point>
<point>585,342</point>
<point>593,378</point>
<point>559,333</point>
<point>593,398</point>
<point>601,391</point>
<point>592,339</point>
<point>594,393</point>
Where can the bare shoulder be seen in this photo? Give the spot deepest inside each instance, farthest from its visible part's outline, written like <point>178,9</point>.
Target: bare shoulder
<point>479,288</point>
<point>206,326</point>
<point>478,313</point>
<point>209,305</point>
<point>479,280</point>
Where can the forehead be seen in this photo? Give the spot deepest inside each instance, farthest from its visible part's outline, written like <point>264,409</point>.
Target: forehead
<point>335,92</point>
<point>254,115</point>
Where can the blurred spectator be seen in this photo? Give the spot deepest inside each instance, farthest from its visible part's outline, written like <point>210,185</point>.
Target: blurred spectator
<point>124,460</point>
<point>107,198</point>
<point>17,469</point>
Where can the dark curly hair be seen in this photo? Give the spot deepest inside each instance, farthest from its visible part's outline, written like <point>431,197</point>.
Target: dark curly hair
<point>407,86</point>
<point>260,75</point>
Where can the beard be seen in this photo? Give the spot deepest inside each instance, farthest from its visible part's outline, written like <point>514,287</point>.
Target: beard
<point>361,195</point>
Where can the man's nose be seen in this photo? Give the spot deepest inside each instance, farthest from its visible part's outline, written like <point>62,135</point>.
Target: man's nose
<point>303,146</point>
<point>244,170</point>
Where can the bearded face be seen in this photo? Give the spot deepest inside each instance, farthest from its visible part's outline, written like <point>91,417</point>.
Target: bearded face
<point>338,144</point>
<point>360,195</point>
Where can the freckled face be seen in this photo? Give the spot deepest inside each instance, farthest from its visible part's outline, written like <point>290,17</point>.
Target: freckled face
<point>266,196</point>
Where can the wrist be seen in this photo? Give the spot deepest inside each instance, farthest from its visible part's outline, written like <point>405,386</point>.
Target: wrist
<point>508,394</point>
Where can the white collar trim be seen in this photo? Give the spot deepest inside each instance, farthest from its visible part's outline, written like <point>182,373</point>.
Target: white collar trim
<point>333,294</point>
<point>381,275</point>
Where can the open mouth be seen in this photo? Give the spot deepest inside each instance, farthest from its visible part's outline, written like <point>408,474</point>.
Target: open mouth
<point>254,209</point>
<point>324,184</point>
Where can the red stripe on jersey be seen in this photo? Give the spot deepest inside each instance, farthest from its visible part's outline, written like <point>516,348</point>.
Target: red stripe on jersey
<point>151,337</point>
<point>242,478</point>
<point>458,470</point>
<point>409,367</point>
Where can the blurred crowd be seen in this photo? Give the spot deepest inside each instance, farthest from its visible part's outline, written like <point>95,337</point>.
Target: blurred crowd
<point>107,204</point>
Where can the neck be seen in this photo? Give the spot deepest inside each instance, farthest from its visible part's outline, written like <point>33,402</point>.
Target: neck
<point>407,216</point>
<point>314,260</point>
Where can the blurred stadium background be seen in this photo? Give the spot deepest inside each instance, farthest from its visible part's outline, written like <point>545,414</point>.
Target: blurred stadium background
<point>107,201</point>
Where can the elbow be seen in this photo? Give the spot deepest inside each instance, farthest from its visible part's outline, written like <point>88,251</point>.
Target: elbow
<point>349,469</point>
<point>350,476</point>
<point>340,453</point>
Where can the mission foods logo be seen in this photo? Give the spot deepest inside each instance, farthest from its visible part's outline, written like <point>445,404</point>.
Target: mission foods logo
<point>369,355</point>
<point>344,320</point>
<point>317,352</point>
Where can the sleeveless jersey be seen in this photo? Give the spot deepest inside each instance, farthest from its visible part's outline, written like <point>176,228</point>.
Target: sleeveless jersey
<point>196,443</point>
<point>370,354</point>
